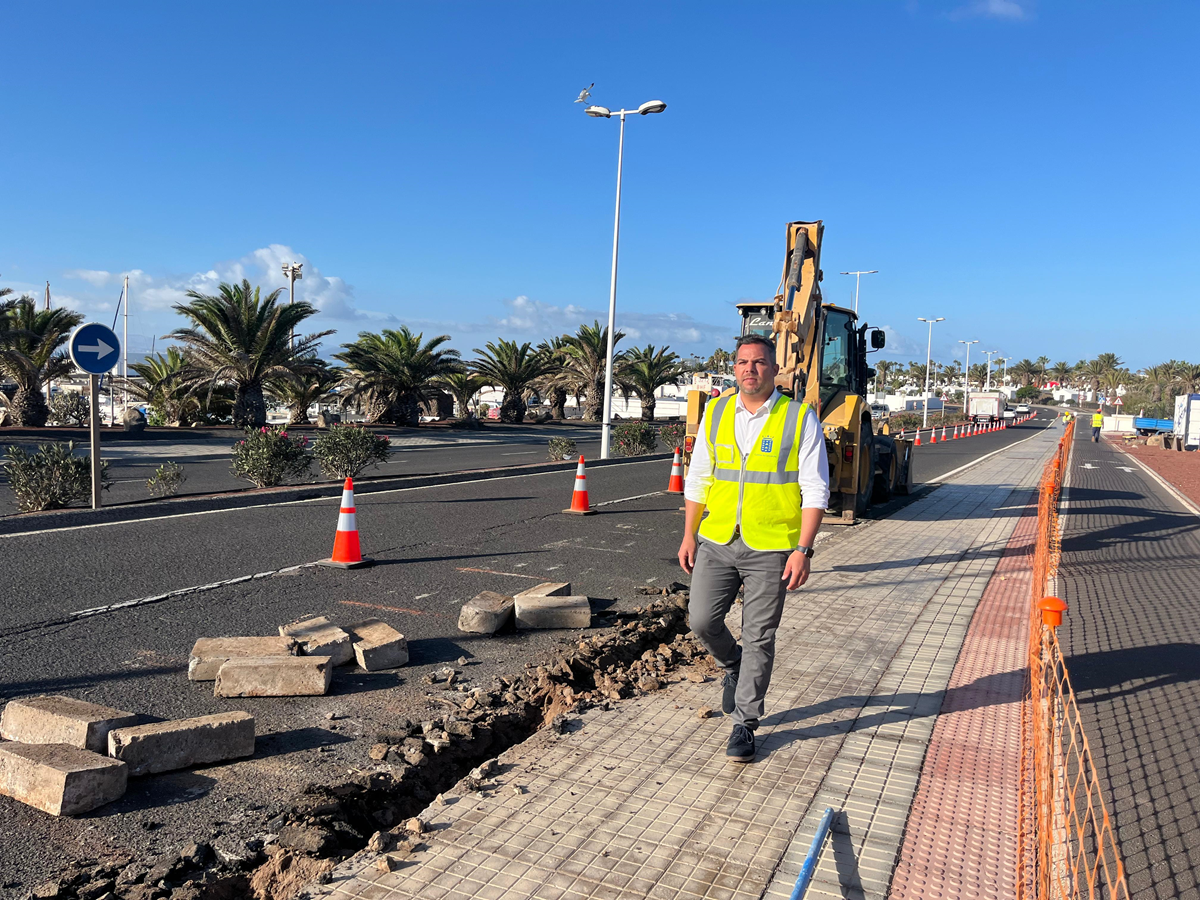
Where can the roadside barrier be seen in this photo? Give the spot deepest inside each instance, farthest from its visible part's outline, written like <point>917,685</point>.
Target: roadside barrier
<point>1066,848</point>
<point>347,553</point>
<point>579,496</point>
<point>675,485</point>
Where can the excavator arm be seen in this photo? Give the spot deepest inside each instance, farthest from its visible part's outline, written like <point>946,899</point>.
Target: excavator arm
<point>797,309</point>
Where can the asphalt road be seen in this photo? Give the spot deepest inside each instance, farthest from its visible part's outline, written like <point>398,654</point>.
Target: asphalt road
<point>435,548</point>
<point>932,462</point>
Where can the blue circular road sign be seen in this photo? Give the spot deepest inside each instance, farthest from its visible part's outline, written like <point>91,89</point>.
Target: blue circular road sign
<point>95,348</point>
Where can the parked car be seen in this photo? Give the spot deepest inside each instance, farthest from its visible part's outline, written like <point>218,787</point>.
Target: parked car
<point>879,411</point>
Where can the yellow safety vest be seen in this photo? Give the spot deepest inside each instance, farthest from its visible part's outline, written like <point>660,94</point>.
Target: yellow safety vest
<point>756,493</point>
<point>1097,420</point>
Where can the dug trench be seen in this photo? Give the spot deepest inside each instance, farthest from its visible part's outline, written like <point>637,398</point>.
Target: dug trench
<point>411,764</point>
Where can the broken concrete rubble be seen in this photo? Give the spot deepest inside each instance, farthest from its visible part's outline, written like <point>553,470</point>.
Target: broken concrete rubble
<point>378,646</point>
<point>60,779</point>
<point>62,720</point>
<point>485,613</point>
<point>320,637</point>
<point>275,676</point>
<point>178,744</point>
<point>208,654</point>
<point>552,612</point>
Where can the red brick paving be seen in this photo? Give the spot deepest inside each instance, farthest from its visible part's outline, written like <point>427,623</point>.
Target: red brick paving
<point>961,836</point>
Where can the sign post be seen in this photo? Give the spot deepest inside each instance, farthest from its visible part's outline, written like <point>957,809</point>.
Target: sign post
<point>94,349</point>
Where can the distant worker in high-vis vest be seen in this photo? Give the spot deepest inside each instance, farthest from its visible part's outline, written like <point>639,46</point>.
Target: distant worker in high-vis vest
<point>759,468</point>
<point>1097,422</point>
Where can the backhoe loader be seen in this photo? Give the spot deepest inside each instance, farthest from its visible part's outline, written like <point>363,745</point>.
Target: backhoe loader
<point>822,354</point>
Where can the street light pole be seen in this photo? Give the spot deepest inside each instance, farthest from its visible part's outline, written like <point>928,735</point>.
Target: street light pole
<point>601,112</point>
<point>967,381</point>
<point>293,274</point>
<point>928,361</point>
<point>989,354</point>
<point>858,280</point>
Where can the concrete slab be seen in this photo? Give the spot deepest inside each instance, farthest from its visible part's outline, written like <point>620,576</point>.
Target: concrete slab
<point>377,645</point>
<point>320,637</point>
<point>62,720</point>
<point>209,654</point>
<point>548,589</point>
<point>485,613</point>
<point>552,612</point>
<point>60,779</point>
<point>275,676</point>
<point>181,743</point>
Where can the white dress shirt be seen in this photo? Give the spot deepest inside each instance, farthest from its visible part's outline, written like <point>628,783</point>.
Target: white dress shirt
<point>747,426</point>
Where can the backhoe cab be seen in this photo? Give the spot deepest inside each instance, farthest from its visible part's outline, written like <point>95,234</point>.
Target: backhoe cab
<point>822,355</point>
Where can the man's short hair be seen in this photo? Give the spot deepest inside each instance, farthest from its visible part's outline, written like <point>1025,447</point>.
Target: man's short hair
<point>764,341</point>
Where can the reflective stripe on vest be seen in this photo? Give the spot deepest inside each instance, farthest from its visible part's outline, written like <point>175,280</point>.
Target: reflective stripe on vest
<point>757,492</point>
<point>1097,420</point>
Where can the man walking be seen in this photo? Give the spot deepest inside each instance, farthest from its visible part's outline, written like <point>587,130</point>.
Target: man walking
<point>1097,423</point>
<point>759,468</point>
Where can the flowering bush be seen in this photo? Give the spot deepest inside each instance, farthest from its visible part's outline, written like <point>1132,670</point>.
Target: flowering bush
<point>634,438</point>
<point>345,450</point>
<point>672,435</point>
<point>52,477</point>
<point>267,457</point>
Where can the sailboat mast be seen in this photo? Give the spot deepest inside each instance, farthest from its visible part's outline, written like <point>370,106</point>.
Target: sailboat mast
<point>125,352</point>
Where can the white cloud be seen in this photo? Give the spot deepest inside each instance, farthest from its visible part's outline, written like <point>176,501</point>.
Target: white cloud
<point>1009,10</point>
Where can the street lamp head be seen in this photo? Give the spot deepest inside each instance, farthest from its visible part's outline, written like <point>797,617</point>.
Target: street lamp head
<point>599,112</point>
<point>651,106</point>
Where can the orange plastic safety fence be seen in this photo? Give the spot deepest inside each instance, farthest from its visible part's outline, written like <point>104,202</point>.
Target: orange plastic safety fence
<point>1066,845</point>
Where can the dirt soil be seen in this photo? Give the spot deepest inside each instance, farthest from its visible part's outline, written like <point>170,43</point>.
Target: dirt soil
<point>1179,469</point>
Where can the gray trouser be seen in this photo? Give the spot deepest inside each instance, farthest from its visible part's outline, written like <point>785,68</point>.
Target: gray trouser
<point>719,571</point>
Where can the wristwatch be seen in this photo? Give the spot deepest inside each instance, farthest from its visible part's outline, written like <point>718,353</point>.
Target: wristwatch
<point>807,551</point>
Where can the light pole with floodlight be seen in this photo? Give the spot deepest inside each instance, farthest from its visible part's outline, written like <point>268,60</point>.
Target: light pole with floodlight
<point>989,354</point>
<point>292,274</point>
<point>857,279</point>
<point>602,112</point>
<point>967,381</point>
<point>928,361</point>
<point>1003,360</point>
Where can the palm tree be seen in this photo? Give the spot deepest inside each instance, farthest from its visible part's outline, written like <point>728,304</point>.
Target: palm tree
<point>1025,370</point>
<point>1187,378</point>
<point>646,370</point>
<point>1061,372</point>
<point>300,390</point>
<point>30,340</point>
<point>513,368</point>
<point>1111,381</point>
<point>1042,362</point>
<point>463,386</point>
<point>587,353</point>
<point>559,380</point>
<point>979,373</point>
<point>1157,378</point>
<point>162,384</point>
<point>1092,372</point>
<point>393,372</point>
<point>240,338</point>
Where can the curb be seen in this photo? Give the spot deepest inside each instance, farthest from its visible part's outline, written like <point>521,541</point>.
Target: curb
<point>1170,488</point>
<point>22,523</point>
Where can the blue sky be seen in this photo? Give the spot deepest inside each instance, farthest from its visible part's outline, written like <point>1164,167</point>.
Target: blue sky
<point>1028,170</point>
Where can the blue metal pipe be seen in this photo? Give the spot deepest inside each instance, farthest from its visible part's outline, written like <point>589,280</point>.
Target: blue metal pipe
<point>810,861</point>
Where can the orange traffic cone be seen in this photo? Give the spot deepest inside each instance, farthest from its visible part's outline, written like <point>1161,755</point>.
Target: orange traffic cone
<point>943,434</point>
<point>917,442</point>
<point>956,432</point>
<point>933,435</point>
<point>579,498</point>
<point>675,485</point>
<point>347,554</point>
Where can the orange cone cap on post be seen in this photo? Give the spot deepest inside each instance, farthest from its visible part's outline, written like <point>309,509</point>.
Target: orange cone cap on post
<point>347,554</point>
<point>1052,609</point>
<point>675,485</point>
<point>579,497</point>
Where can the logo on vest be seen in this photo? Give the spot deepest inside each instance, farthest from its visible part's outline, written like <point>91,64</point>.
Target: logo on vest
<point>767,444</point>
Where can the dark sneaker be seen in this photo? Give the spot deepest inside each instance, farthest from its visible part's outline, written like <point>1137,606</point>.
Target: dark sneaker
<point>728,689</point>
<point>741,745</point>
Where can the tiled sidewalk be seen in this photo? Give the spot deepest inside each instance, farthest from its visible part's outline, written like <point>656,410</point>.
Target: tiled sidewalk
<point>641,803</point>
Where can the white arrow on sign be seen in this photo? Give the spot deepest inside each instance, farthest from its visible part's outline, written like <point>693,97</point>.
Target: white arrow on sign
<point>100,348</point>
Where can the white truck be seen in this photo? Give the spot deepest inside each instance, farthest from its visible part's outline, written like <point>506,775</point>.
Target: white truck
<point>1187,419</point>
<point>985,407</point>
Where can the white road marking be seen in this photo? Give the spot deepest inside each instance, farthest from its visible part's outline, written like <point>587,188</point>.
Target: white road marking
<point>521,453</point>
<point>331,499</point>
<point>976,462</point>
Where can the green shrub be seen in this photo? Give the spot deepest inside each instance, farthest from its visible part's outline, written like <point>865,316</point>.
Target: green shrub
<point>634,438</point>
<point>155,417</point>
<point>672,435</point>
<point>166,480</point>
<point>69,408</point>
<point>562,448</point>
<point>345,450</point>
<point>53,477</point>
<point>267,457</point>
